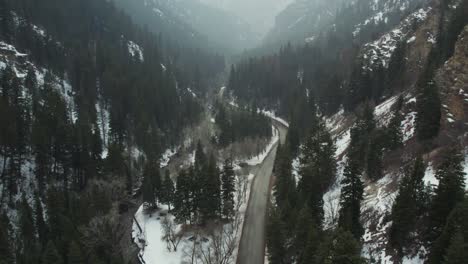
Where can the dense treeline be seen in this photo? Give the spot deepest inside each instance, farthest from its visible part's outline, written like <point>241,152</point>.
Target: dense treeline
<point>63,171</point>
<point>203,193</point>
<point>295,232</point>
<point>236,125</point>
<point>422,216</point>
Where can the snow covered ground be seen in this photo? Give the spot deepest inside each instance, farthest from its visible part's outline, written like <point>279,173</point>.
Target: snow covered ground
<point>166,157</point>
<point>261,157</point>
<point>273,116</point>
<point>379,52</point>
<point>135,50</point>
<point>149,239</point>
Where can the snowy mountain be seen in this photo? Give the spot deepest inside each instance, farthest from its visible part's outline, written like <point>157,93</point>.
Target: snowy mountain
<point>304,20</point>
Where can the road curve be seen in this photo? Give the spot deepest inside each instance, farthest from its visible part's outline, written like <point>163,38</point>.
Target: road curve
<point>252,244</point>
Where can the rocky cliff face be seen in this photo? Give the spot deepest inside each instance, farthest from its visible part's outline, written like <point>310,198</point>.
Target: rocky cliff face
<point>452,78</point>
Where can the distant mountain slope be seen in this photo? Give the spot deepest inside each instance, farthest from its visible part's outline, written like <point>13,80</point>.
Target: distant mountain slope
<point>260,14</point>
<point>192,24</point>
<point>304,20</point>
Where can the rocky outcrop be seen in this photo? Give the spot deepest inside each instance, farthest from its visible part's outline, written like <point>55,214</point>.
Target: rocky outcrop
<point>452,79</point>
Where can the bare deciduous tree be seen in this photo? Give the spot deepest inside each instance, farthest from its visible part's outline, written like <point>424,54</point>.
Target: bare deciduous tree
<point>170,234</point>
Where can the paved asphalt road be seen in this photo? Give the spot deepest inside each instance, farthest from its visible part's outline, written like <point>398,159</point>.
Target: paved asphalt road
<point>252,244</point>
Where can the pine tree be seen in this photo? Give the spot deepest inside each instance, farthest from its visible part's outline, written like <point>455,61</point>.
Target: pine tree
<point>200,157</point>
<point>29,250</point>
<point>305,235</point>
<point>374,157</point>
<point>149,197</point>
<point>167,190</point>
<point>55,210</point>
<point>7,22</point>
<point>285,186</point>
<point>313,241</point>
<point>40,223</point>
<point>75,255</point>
<point>428,106</point>
<point>182,199</point>
<point>450,191</point>
<point>6,251</point>
<point>341,247</point>
<point>350,200</point>
<point>457,223</point>
<point>397,66</point>
<point>275,237</point>
<point>228,189</point>
<point>210,204</point>
<point>407,207</point>
<point>394,133</point>
<point>317,169</point>
<point>51,255</point>
<point>457,252</point>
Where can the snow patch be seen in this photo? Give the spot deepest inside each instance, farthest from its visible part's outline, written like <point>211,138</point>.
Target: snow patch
<point>261,157</point>
<point>135,50</point>
<point>408,126</point>
<point>273,116</point>
<point>167,156</point>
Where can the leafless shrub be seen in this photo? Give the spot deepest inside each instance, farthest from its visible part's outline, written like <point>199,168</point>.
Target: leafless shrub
<point>171,235</point>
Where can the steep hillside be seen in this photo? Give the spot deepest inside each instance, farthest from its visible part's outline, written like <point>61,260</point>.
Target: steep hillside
<point>386,85</point>
<point>88,101</point>
<point>304,21</point>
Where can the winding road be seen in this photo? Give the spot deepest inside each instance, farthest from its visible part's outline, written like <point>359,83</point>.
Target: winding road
<point>252,244</point>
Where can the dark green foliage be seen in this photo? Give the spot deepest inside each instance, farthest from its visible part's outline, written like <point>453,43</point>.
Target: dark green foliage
<point>353,187</point>
<point>394,134</point>
<point>167,193</point>
<point>183,198</point>
<point>285,186</point>
<point>408,207</point>
<point>374,168</point>
<point>275,239</point>
<point>149,195</point>
<point>228,189</point>
<point>55,210</point>
<point>236,125</point>
<point>457,251</point>
<point>28,242</point>
<point>210,199</point>
<point>7,22</point>
<point>449,192</point>
<point>350,200</point>
<point>6,249</point>
<point>428,111</point>
<point>361,133</point>
<point>306,237</point>
<point>310,251</point>
<point>340,247</point>
<point>51,255</point>
<point>449,243</point>
<point>397,67</point>
<point>360,88</point>
<point>75,254</point>
<point>318,169</point>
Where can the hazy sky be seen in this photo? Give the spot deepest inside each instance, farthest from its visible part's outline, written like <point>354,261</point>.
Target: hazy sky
<point>259,13</point>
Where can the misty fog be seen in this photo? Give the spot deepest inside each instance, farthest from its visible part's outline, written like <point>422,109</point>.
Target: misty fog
<point>260,14</point>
